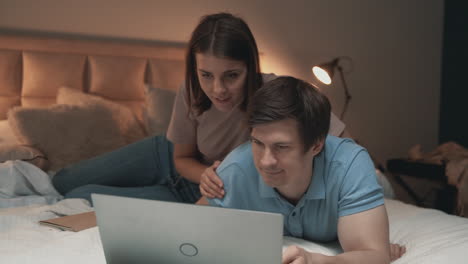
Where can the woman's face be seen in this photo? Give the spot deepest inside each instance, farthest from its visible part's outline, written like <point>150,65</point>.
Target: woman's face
<point>222,80</point>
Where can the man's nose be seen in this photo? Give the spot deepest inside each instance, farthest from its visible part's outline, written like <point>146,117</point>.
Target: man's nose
<point>268,158</point>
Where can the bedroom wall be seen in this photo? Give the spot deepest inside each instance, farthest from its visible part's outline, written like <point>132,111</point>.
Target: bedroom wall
<point>395,45</point>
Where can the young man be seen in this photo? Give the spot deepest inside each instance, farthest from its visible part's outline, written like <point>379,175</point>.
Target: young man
<point>324,186</point>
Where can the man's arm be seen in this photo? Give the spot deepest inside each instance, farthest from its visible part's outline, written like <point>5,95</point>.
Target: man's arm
<point>363,237</point>
<point>363,223</point>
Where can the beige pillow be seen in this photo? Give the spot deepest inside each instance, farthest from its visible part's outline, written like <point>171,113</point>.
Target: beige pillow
<point>10,80</point>
<point>10,72</point>
<point>25,153</point>
<point>159,103</point>
<point>66,133</point>
<point>130,127</point>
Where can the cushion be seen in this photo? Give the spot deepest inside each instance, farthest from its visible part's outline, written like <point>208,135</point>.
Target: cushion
<point>129,126</point>
<point>10,80</point>
<point>166,73</point>
<point>10,72</point>
<point>45,72</point>
<point>66,133</point>
<point>25,153</point>
<point>159,103</point>
<point>120,78</point>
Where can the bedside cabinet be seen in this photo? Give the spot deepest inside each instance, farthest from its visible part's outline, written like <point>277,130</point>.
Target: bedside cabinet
<point>445,195</point>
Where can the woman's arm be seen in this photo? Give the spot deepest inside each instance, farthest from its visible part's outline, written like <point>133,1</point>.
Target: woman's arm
<point>189,167</point>
<point>186,162</point>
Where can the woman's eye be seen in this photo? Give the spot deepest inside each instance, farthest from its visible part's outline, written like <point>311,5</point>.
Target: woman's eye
<point>233,75</point>
<point>206,75</point>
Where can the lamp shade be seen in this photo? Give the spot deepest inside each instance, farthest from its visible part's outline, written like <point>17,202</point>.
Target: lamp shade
<point>324,72</point>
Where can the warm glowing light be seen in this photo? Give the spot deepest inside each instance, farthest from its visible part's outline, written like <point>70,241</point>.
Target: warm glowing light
<point>321,74</point>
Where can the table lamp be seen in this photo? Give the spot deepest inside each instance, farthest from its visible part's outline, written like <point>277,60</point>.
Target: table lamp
<point>324,73</point>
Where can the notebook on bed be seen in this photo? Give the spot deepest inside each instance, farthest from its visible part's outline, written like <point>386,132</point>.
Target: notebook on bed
<point>145,231</point>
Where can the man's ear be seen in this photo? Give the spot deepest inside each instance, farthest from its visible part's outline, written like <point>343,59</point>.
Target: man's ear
<point>317,147</point>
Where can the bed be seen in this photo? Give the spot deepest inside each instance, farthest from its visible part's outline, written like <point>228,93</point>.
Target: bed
<point>103,94</point>
<point>430,236</point>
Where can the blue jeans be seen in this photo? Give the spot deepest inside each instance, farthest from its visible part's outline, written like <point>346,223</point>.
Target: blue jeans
<point>144,169</point>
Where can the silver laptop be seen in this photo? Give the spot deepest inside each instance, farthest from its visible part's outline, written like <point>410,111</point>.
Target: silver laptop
<point>146,231</point>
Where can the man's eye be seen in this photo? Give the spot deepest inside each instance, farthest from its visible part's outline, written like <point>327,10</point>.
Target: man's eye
<point>282,147</point>
<point>256,142</point>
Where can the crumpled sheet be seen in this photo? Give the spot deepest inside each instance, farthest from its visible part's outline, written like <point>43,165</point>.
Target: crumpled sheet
<point>22,184</point>
<point>24,240</point>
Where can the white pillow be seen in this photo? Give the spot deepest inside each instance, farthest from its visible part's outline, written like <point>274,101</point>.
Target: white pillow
<point>387,187</point>
<point>159,103</point>
<point>24,153</point>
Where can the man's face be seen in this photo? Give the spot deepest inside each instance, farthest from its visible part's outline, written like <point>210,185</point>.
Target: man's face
<point>279,154</point>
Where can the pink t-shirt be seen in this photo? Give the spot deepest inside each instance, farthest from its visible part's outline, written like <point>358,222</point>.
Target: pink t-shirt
<point>214,132</point>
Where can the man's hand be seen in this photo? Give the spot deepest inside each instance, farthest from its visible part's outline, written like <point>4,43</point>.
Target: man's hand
<point>297,255</point>
<point>396,251</point>
<point>211,185</point>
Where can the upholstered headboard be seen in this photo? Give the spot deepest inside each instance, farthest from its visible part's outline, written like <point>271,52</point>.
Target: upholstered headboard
<point>32,69</point>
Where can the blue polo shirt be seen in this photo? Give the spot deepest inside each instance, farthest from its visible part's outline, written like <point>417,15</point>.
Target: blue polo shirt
<point>343,183</point>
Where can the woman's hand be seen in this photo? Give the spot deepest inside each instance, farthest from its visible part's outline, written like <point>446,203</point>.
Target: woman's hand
<point>211,185</point>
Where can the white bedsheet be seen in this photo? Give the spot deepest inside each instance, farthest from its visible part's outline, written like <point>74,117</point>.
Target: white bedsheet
<point>430,236</point>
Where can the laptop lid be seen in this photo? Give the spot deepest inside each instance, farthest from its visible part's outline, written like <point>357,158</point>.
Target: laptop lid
<point>146,231</point>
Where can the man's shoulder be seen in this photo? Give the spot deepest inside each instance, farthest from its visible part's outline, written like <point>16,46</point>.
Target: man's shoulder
<point>236,171</point>
<point>238,161</point>
<point>241,156</point>
<point>340,154</point>
<point>341,149</point>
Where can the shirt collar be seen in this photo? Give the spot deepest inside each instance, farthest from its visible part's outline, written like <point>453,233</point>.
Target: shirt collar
<point>316,189</point>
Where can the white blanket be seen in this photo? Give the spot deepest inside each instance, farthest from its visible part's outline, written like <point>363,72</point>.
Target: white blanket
<point>22,183</point>
<point>430,236</point>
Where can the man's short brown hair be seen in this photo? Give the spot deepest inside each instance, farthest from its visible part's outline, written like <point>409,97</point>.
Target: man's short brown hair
<point>288,97</point>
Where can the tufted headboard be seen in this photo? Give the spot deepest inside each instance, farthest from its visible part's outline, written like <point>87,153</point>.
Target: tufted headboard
<point>33,68</point>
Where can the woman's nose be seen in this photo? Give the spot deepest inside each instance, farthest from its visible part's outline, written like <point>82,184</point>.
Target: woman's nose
<point>218,87</point>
